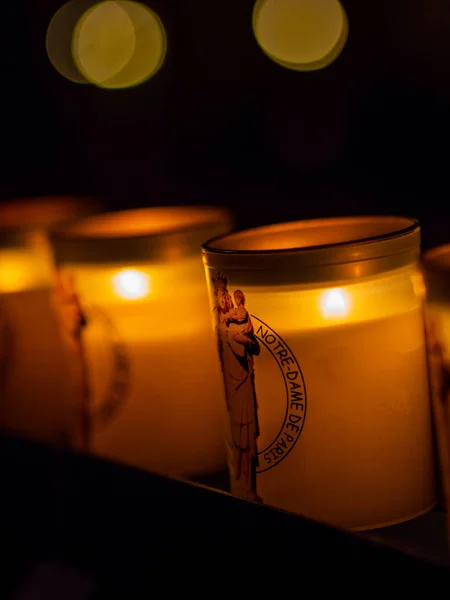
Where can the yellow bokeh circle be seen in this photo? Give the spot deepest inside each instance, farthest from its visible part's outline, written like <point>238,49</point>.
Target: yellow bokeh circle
<point>112,44</point>
<point>103,41</point>
<point>303,35</point>
<point>119,44</point>
<point>59,39</point>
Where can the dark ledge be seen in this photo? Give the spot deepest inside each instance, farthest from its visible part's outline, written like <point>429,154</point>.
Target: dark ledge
<point>128,531</point>
<point>424,538</point>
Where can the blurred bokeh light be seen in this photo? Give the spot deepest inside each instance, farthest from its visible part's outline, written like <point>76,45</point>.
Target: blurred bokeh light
<point>111,44</point>
<point>59,39</point>
<point>103,41</point>
<point>303,35</point>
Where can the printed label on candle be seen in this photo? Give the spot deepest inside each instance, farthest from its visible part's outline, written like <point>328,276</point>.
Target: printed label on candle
<point>77,321</point>
<point>295,393</point>
<point>242,337</point>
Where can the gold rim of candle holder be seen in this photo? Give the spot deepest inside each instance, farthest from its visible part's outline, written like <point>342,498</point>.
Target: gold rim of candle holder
<point>159,233</point>
<point>330,249</point>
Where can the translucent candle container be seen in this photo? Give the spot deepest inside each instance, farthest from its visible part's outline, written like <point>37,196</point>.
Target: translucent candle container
<point>148,372</point>
<point>321,340</point>
<point>436,273</point>
<point>36,397</point>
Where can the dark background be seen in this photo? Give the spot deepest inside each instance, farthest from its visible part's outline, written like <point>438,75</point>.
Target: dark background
<point>220,123</point>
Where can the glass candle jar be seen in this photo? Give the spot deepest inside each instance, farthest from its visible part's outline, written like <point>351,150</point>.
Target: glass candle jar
<point>321,340</point>
<point>148,374</point>
<point>436,277</point>
<point>35,394</point>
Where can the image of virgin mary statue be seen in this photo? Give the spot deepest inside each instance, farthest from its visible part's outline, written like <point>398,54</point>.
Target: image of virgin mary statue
<point>237,348</point>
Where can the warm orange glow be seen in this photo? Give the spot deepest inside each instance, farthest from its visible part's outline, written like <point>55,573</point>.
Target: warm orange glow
<point>131,284</point>
<point>118,44</point>
<point>145,221</point>
<point>35,388</point>
<point>19,270</point>
<point>300,34</point>
<point>335,303</point>
<point>333,331</point>
<point>311,233</point>
<point>44,211</point>
<point>139,278</point>
<point>31,265</point>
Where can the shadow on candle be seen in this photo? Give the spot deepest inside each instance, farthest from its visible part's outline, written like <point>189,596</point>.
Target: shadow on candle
<point>148,378</point>
<point>321,341</point>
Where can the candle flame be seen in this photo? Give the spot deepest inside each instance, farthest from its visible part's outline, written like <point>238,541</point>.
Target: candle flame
<point>335,303</point>
<point>131,284</point>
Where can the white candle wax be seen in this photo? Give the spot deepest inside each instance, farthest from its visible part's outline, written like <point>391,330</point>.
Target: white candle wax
<point>367,422</point>
<point>342,400</point>
<point>167,419</point>
<point>36,390</point>
<point>36,394</point>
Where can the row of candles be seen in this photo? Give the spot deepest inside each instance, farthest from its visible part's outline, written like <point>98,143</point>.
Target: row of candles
<point>301,360</point>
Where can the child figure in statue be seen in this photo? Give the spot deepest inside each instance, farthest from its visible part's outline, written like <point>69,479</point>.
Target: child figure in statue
<point>239,324</point>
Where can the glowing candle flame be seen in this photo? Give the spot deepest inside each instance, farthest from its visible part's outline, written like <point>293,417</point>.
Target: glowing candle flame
<point>335,303</point>
<point>131,284</point>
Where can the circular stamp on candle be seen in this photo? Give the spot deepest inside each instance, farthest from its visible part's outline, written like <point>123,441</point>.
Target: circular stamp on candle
<point>108,366</point>
<point>290,381</point>
<point>264,389</point>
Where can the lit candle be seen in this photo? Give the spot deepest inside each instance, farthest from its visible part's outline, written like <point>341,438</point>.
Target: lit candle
<point>436,277</point>
<point>32,218</point>
<point>321,341</point>
<point>36,397</point>
<point>148,374</point>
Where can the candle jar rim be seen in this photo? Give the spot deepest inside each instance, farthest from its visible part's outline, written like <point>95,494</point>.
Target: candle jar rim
<point>437,259</point>
<point>31,212</point>
<point>409,225</point>
<point>140,234</point>
<point>333,248</point>
<point>92,227</point>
